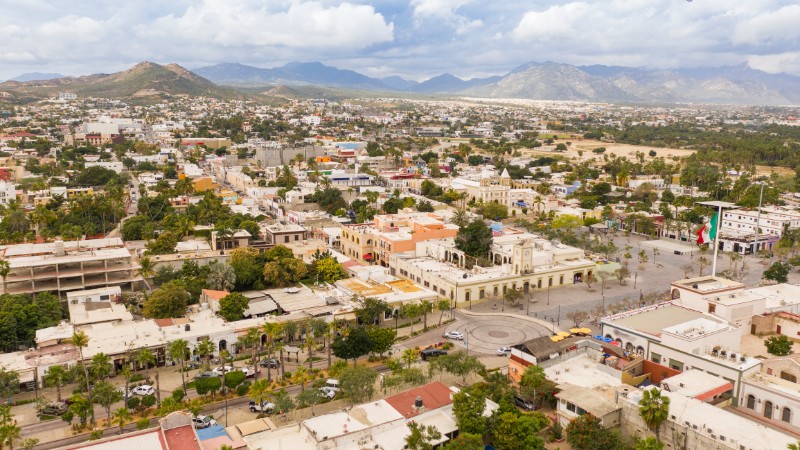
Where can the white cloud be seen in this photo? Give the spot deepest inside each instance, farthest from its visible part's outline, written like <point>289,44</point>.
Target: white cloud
<point>769,27</point>
<point>444,12</point>
<point>300,24</point>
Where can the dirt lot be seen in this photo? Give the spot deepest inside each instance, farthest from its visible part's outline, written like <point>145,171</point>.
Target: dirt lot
<point>626,150</point>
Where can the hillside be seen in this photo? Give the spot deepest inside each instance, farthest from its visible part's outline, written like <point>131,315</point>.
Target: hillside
<point>144,80</point>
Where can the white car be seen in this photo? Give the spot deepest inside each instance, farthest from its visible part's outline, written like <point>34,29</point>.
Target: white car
<point>222,369</point>
<point>457,335</point>
<point>144,389</point>
<point>125,395</point>
<point>203,422</point>
<point>328,392</point>
<point>249,371</point>
<point>503,351</point>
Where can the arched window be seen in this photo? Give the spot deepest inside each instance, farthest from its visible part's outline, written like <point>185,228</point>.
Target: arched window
<point>768,409</point>
<point>751,402</point>
<point>786,415</point>
<point>788,376</point>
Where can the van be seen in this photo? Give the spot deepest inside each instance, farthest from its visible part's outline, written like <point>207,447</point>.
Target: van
<point>333,384</point>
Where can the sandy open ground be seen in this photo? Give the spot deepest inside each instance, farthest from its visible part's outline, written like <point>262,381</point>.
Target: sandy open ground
<point>625,150</point>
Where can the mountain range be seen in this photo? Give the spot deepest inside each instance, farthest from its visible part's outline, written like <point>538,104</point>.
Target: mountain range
<point>547,81</point>
<point>538,81</point>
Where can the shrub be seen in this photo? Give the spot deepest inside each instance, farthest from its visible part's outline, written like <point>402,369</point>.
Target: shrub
<point>148,400</point>
<point>135,378</point>
<point>242,389</point>
<point>143,424</point>
<point>133,402</point>
<point>287,375</point>
<point>95,435</point>
<point>178,394</point>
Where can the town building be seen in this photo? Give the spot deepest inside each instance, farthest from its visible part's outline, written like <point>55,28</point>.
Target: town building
<point>284,233</point>
<point>61,267</point>
<point>738,228</point>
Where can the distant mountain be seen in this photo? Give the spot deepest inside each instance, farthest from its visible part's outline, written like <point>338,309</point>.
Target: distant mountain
<point>145,79</point>
<point>36,76</point>
<point>730,85</point>
<point>295,73</point>
<point>447,83</point>
<point>399,83</point>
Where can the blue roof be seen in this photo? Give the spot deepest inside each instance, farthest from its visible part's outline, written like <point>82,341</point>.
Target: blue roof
<point>211,432</point>
<point>497,226</point>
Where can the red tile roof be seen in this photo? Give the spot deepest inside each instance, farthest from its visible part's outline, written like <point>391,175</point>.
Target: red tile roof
<point>216,295</point>
<point>434,395</point>
<point>714,392</point>
<point>182,438</point>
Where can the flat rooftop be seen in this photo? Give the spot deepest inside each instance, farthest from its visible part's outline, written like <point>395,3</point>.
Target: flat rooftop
<point>695,328</point>
<point>697,384</point>
<point>708,284</point>
<point>651,320</point>
<point>582,371</point>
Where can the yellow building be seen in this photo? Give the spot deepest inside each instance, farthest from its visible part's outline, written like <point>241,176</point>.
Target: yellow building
<point>204,184</point>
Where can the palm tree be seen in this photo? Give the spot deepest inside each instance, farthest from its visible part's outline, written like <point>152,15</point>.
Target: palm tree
<point>178,350</point>
<point>41,216</point>
<point>205,349</point>
<point>145,357</point>
<point>122,416</point>
<point>56,376</point>
<point>272,330</point>
<point>184,225</point>
<point>252,340</point>
<point>146,270</point>
<point>80,339</point>
<point>310,344</point>
<point>260,391</point>
<point>15,218</point>
<point>300,376</point>
<point>10,432</point>
<point>101,365</point>
<point>654,409</point>
<point>5,268</point>
<point>443,304</point>
<point>425,307</point>
<point>460,217</point>
<point>409,356</point>
<point>221,277</point>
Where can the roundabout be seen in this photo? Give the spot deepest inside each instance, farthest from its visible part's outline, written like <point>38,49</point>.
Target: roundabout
<point>486,333</point>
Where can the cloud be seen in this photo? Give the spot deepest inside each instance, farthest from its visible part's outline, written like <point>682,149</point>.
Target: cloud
<point>769,27</point>
<point>300,25</point>
<point>444,12</point>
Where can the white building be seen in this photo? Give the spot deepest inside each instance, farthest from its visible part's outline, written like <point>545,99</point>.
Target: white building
<point>738,228</point>
<point>8,192</point>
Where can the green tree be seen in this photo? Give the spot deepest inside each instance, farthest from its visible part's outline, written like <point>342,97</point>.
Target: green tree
<point>178,351</point>
<point>779,345</point>
<point>352,346</point>
<point>205,386</point>
<point>106,395</point>
<point>170,300</point>
<point>513,431</point>
<point>475,239</point>
<point>534,383</point>
<point>421,437</point>
<point>329,270</point>
<point>260,391</point>
<point>80,339</point>
<point>468,407</point>
<point>309,398</point>
<point>567,222</point>
<point>221,277</point>
<point>234,378</point>
<point>205,348</point>
<point>650,443</point>
<point>442,305</point>
<point>494,211</point>
<point>371,310</point>
<point>358,384</point>
<point>465,441</point>
<point>381,339</point>
<point>56,376</point>
<point>778,272</point>
<point>233,306</point>
<point>654,409</point>
<point>284,272</point>
<point>146,358</point>
<point>457,363</point>
<point>101,366</point>
<point>587,433</point>
<point>146,270</point>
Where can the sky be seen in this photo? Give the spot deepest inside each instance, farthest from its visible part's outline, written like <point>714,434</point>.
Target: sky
<point>415,39</point>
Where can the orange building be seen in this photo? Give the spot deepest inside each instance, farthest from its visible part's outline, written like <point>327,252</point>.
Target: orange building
<point>397,233</point>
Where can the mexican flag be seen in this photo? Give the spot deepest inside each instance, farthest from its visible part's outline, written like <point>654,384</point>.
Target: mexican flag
<point>709,232</point>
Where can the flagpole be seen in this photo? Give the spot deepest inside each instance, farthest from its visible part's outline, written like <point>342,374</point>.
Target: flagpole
<point>716,240</point>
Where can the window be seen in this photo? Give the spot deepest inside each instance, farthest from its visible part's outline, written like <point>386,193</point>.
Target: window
<point>788,376</point>
<point>786,415</point>
<point>751,402</point>
<point>286,239</point>
<point>655,357</point>
<point>561,279</point>
<point>768,409</point>
<point>712,308</point>
<point>296,237</point>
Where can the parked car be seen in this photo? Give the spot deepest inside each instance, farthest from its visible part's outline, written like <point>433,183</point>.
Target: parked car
<point>201,422</point>
<point>249,371</point>
<point>205,375</point>
<point>222,369</point>
<point>125,395</point>
<point>431,353</point>
<point>144,389</point>
<point>503,351</point>
<point>264,407</point>
<point>524,404</point>
<point>272,363</point>
<point>332,383</point>
<point>328,392</point>
<point>457,335</point>
<point>54,409</point>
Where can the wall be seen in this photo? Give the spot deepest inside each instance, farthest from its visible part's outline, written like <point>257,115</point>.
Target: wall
<point>763,324</point>
<point>778,398</point>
